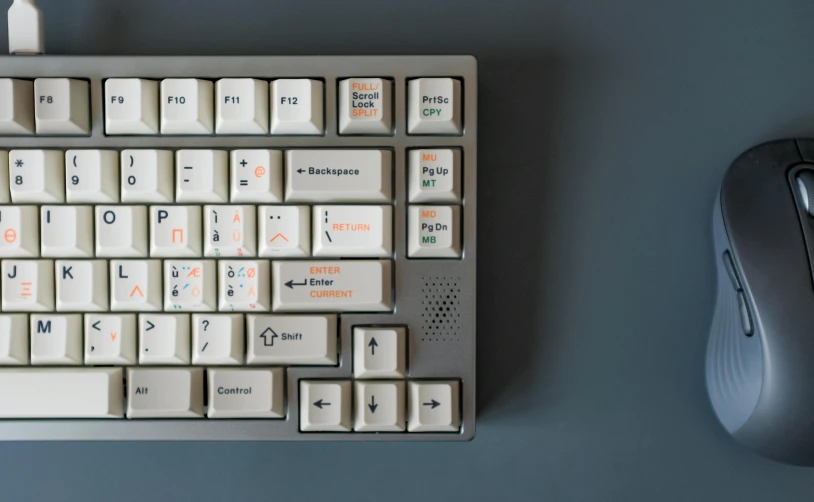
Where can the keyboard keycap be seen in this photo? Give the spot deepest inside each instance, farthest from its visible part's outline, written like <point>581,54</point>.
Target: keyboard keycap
<point>121,231</point>
<point>217,339</point>
<point>135,285</point>
<point>67,231</point>
<point>61,393</point>
<point>229,231</point>
<point>332,286</point>
<point>187,106</point>
<point>434,232</point>
<point>19,232</point>
<point>5,194</point>
<point>165,392</point>
<point>243,286</point>
<point>435,175</point>
<point>296,106</point>
<point>62,106</point>
<point>175,231</point>
<point>28,285</point>
<point>379,406</point>
<point>245,393</point>
<point>201,176</point>
<point>338,176</point>
<point>434,106</point>
<point>56,339</point>
<point>92,176</point>
<point>256,176</point>
<point>131,106</point>
<point>291,340</point>
<point>110,339</point>
<point>81,286</point>
<point>14,339</point>
<point>147,176</point>
<point>379,352</point>
<point>358,231</point>
<point>37,176</point>
<point>242,106</point>
<point>163,339</point>
<point>433,406</point>
<point>325,405</point>
<point>365,106</point>
<point>190,285</point>
<point>16,106</point>
<point>285,231</point>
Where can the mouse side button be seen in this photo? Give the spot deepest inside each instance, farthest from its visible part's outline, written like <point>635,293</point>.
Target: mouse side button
<point>730,270</point>
<point>746,318</point>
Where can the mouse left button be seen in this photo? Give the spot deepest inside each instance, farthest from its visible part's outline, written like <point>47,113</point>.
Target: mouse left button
<point>746,318</point>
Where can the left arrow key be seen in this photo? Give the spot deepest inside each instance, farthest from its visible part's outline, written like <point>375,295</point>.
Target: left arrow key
<point>325,405</point>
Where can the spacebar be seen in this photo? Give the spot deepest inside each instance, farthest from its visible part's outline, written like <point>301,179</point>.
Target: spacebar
<point>61,393</point>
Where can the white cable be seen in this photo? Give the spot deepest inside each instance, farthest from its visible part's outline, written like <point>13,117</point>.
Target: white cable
<point>25,32</point>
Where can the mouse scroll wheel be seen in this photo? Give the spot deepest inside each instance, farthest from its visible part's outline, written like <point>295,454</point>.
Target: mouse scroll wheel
<point>805,184</point>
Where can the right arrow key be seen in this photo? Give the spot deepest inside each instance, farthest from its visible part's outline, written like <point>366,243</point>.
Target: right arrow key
<point>434,406</point>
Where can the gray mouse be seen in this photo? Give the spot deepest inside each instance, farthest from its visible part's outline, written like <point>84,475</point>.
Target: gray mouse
<point>760,357</point>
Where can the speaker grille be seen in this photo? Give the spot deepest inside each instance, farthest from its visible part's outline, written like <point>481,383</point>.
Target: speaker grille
<point>441,313</point>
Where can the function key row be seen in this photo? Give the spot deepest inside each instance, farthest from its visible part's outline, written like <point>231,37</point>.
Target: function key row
<point>235,106</point>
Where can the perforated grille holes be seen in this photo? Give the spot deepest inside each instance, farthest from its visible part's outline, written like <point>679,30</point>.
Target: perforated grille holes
<point>441,315</point>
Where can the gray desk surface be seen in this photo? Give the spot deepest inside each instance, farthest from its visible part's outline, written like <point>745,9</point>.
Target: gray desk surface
<point>605,130</point>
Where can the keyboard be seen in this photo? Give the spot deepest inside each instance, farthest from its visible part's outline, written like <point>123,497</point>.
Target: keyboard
<point>238,248</point>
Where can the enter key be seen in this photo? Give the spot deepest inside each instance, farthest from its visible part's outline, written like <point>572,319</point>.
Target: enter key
<point>353,231</point>
<point>332,286</point>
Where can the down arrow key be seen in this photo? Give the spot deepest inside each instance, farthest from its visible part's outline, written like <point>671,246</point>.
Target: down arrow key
<point>379,406</point>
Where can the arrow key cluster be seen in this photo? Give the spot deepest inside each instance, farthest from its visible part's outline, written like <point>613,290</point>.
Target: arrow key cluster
<point>379,406</point>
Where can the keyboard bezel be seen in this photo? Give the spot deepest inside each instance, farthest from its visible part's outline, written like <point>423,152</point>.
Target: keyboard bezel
<point>429,357</point>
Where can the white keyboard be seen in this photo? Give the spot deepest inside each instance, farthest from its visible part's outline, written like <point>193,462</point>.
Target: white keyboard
<point>237,248</point>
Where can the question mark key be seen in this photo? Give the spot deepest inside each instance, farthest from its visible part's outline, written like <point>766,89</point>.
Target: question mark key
<point>217,339</point>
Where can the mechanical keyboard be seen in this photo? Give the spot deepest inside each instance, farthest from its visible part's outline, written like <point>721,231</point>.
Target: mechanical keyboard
<point>238,248</point>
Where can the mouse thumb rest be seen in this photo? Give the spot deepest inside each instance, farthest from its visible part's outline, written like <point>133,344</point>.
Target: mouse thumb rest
<point>765,223</point>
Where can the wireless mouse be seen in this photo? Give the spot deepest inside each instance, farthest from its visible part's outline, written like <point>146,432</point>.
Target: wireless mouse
<point>760,357</point>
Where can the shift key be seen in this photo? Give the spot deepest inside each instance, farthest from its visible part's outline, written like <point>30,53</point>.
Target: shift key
<point>332,286</point>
